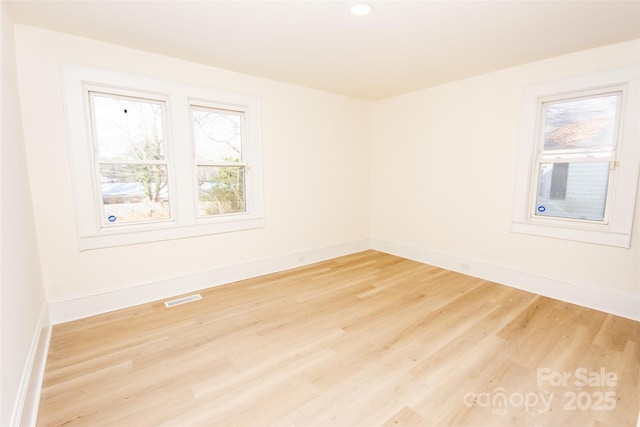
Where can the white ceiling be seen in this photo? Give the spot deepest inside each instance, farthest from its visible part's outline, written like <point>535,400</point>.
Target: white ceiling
<point>400,47</point>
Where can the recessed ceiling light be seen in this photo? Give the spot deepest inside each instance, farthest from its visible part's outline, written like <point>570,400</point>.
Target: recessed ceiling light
<point>361,9</point>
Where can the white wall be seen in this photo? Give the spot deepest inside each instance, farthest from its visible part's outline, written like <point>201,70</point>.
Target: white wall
<point>431,170</point>
<point>443,168</point>
<point>316,170</point>
<point>21,291</point>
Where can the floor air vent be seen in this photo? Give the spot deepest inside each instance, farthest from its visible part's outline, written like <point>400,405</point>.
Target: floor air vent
<point>183,300</point>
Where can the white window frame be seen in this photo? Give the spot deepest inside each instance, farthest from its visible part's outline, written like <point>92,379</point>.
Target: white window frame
<point>615,230</point>
<point>185,221</point>
<point>244,162</point>
<point>116,92</point>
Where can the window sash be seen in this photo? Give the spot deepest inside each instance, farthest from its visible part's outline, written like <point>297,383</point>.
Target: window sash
<point>227,194</point>
<point>577,203</point>
<point>126,95</point>
<point>575,155</point>
<point>106,211</point>
<point>573,98</point>
<point>535,215</point>
<point>110,221</point>
<point>243,133</point>
<point>242,162</point>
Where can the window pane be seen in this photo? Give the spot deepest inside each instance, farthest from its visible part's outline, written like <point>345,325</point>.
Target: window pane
<point>581,124</point>
<point>573,190</point>
<point>134,192</point>
<point>128,128</point>
<point>221,190</point>
<point>217,135</point>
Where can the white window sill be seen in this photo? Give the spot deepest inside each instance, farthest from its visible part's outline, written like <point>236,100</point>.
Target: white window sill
<point>576,233</point>
<point>111,237</point>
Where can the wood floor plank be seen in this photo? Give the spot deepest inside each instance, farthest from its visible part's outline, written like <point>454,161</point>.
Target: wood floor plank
<point>405,417</point>
<point>362,340</point>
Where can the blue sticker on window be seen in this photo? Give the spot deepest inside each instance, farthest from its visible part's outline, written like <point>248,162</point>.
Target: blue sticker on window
<point>111,218</point>
<point>541,209</point>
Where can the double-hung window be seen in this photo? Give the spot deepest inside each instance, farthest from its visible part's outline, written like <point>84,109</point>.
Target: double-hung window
<point>220,163</point>
<point>578,160</point>
<point>156,160</point>
<point>131,159</point>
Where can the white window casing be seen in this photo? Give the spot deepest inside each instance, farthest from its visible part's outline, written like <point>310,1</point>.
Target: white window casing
<point>615,226</point>
<point>177,99</point>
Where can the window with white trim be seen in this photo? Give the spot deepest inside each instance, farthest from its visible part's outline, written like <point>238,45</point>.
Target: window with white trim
<point>578,159</point>
<point>220,163</point>
<point>156,160</point>
<point>131,162</point>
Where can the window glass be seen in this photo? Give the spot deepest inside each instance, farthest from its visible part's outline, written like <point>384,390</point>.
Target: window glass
<point>132,192</point>
<point>128,128</point>
<point>573,190</point>
<point>586,124</point>
<point>220,190</point>
<point>217,135</point>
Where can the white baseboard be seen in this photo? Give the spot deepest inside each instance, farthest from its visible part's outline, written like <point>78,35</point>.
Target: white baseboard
<point>82,306</point>
<point>599,299</point>
<point>25,411</point>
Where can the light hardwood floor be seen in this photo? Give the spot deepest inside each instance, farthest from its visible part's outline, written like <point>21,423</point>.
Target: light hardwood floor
<point>368,339</point>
